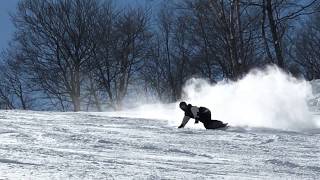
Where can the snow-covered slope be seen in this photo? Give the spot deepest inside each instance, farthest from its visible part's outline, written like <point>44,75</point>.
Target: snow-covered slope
<point>47,145</point>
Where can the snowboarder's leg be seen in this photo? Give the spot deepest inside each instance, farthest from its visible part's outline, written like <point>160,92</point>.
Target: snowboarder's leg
<point>213,124</point>
<point>205,116</point>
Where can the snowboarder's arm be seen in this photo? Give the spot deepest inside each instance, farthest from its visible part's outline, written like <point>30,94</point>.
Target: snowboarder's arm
<point>195,111</point>
<point>184,121</point>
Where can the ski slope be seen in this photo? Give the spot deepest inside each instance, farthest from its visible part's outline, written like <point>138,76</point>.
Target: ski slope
<point>49,145</point>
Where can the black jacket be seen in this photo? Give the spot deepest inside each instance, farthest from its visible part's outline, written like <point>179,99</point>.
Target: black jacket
<point>204,114</point>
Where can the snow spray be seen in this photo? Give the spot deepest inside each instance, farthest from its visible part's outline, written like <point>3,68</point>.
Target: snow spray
<point>267,98</point>
<point>263,98</point>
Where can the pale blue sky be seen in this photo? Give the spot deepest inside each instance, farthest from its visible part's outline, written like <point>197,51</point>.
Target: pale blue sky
<point>7,28</point>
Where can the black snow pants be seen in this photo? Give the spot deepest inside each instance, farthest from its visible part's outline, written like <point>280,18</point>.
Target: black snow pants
<point>205,118</point>
<point>214,124</point>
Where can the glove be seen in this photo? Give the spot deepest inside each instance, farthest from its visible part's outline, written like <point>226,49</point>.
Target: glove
<point>196,120</point>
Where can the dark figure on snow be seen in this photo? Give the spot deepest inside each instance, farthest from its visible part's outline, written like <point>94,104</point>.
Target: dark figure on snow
<point>201,114</point>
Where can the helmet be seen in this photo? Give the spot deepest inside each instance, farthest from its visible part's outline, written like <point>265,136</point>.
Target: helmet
<point>183,105</point>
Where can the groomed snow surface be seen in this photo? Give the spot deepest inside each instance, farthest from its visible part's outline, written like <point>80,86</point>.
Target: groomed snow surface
<point>48,145</point>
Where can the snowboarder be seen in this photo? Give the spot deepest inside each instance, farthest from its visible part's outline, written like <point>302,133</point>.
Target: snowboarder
<point>201,114</point>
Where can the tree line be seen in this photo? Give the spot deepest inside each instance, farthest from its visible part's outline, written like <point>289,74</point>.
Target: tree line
<point>93,54</point>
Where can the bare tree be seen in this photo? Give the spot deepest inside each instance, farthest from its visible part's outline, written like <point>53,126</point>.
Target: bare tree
<point>90,54</point>
<point>308,49</point>
<point>169,66</point>
<point>15,90</point>
<point>57,43</point>
<point>123,47</point>
<point>226,32</point>
<point>280,14</point>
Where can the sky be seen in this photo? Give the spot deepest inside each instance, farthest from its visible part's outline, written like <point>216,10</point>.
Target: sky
<point>6,26</point>
<point>9,6</point>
